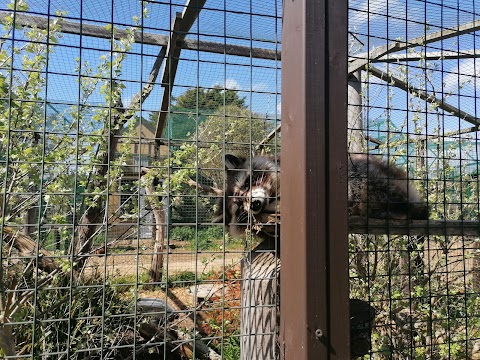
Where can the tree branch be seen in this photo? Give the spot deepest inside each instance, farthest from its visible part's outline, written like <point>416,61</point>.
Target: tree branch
<point>205,188</point>
<point>28,248</point>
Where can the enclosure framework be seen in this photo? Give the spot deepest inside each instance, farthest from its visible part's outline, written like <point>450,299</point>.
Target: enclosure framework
<point>326,79</point>
<point>359,62</point>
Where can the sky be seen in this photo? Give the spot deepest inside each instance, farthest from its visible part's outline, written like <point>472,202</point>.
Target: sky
<point>248,23</point>
<point>376,23</point>
<point>373,23</point>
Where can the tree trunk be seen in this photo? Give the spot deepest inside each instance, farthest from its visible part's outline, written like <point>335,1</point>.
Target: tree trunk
<point>356,138</point>
<point>30,218</point>
<point>94,214</point>
<point>156,269</point>
<point>7,343</point>
<point>119,116</point>
<point>260,304</point>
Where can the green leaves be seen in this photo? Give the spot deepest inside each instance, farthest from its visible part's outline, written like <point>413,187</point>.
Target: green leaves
<point>210,99</point>
<point>18,5</point>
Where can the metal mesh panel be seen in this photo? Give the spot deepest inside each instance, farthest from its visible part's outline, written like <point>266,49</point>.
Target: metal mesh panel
<point>413,101</point>
<point>115,121</point>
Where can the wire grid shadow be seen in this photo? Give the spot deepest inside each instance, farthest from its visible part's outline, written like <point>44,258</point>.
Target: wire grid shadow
<point>114,124</point>
<point>413,90</point>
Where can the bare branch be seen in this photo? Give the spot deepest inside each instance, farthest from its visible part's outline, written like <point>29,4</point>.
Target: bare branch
<point>206,188</point>
<point>423,95</point>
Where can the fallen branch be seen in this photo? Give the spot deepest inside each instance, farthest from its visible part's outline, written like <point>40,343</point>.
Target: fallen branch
<point>28,248</point>
<point>200,347</point>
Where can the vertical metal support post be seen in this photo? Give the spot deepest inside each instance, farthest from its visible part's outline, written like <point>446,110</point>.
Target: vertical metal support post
<point>314,312</point>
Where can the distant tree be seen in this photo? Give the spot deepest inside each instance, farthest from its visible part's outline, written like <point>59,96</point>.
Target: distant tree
<point>210,99</point>
<point>182,118</point>
<point>236,131</point>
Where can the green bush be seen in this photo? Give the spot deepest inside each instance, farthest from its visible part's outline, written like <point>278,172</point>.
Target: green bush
<point>209,238</point>
<point>211,232</point>
<point>206,238</point>
<point>182,233</point>
<point>182,279</point>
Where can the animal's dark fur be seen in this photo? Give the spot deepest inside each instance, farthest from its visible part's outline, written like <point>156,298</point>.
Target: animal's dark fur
<point>375,189</point>
<point>252,191</point>
<point>380,190</point>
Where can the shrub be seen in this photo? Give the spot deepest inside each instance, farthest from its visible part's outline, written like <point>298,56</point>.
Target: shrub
<point>209,238</point>
<point>182,233</point>
<point>182,279</point>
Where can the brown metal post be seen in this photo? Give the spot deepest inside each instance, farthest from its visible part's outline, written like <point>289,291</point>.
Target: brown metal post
<point>314,289</point>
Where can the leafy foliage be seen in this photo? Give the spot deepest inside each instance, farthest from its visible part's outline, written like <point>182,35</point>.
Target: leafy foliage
<point>90,322</point>
<point>58,164</point>
<point>182,233</point>
<point>209,99</point>
<point>432,313</point>
<point>233,132</point>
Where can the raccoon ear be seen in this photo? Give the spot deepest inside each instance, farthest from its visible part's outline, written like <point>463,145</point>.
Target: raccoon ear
<point>233,162</point>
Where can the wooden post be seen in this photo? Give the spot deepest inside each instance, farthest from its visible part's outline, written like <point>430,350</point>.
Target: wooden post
<point>314,305</point>
<point>259,304</point>
<point>356,137</point>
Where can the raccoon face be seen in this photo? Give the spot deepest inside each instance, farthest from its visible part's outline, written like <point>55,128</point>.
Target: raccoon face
<point>252,193</point>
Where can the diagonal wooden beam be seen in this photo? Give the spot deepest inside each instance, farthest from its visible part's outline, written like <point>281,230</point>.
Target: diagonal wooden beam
<point>363,59</point>
<point>434,55</point>
<point>180,27</point>
<point>269,137</point>
<point>423,95</point>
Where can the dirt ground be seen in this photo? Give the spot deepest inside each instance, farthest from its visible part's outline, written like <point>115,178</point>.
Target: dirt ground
<point>192,312</point>
<point>133,262</point>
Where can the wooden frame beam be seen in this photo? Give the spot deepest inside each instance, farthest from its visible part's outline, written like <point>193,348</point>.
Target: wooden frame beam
<point>370,226</point>
<point>366,58</point>
<point>434,55</point>
<point>419,138</point>
<point>76,28</point>
<point>269,137</point>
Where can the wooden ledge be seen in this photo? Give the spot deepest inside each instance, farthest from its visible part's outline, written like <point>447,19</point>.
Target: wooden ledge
<point>358,225</point>
<point>361,225</point>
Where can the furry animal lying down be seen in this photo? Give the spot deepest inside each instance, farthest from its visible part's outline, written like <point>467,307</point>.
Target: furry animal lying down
<point>251,200</point>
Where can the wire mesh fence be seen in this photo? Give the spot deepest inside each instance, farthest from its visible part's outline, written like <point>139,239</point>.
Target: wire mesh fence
<point>413,101</point>
<point>139,152</point>
<point>115,121</point>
